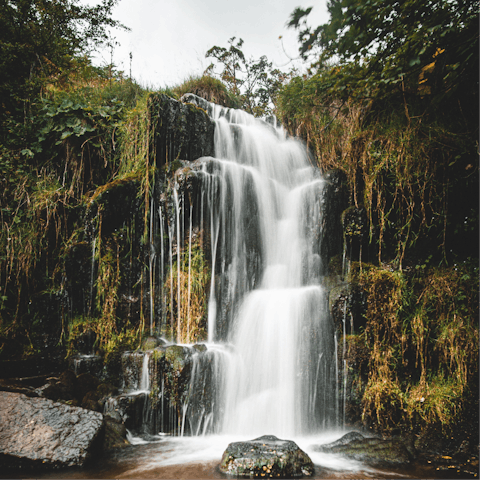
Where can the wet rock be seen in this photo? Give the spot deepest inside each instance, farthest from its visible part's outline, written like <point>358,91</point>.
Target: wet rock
<point>56,390</point>
<point>105,391</point>
<point>17,387</point>
<point>375,452</point>
<point>178,357</point>
<point>38,432</point>
<point>131,363</point>
<point>355,231</point>
<point>179,130</point>
<point>115,434</point>
<point>68,379</point>
<point>127,409</point>
<point>178,367</point>
<point>266,456</point>
<point>336,197</point>
<point>92,364</point>
<point>85,383</point>
<point>91,401</point>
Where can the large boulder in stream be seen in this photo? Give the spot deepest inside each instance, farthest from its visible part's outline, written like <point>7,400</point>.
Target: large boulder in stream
<point>266,456</point>
<point>376,452</point>
<point>38,432</point>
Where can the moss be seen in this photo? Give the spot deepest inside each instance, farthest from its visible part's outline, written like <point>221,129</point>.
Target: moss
<point>149,343</point>
<point>421,335</point>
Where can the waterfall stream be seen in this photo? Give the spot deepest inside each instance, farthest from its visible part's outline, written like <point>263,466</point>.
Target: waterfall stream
<point>270,364</point>
<point>267,298</point>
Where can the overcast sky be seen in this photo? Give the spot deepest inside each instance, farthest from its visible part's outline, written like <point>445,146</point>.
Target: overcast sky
<point>169,38</point>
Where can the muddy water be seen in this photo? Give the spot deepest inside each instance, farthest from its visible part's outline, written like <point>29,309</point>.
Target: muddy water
<point>199,457</point>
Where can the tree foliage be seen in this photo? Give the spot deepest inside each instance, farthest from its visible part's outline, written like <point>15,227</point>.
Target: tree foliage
<point>39,40</point>
<point>420,47</point>
<point>254,81</point>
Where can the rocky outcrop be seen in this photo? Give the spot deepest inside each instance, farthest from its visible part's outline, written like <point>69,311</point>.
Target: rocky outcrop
<point>266,456</point>
<point>180,131</point>
<point>375,452</point>
<point>37,432</point>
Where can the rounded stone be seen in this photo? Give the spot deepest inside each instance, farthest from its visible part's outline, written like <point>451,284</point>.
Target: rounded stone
<point>266,457</point>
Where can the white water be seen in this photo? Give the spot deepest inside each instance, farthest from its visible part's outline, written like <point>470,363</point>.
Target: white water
<point>270,304</point>
<point>270,366</point>
<point>200,450</point>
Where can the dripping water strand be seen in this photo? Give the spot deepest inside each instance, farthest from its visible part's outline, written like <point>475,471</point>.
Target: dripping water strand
<point>189,274</point>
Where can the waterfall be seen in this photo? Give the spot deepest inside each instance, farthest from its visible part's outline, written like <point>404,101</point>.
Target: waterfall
<point>270,361</point>
<point>267,299</point>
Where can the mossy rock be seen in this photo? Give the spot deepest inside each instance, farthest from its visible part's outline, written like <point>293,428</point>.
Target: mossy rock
<point>158,353</point>
<point>266,456</point>
<point>178,357</point>
<point>354,222</point>
<point>115,434</point>
<point>200,347</point>
<point>149,343</point>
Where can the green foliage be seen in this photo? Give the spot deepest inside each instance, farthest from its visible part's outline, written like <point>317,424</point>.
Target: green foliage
<point>382,45</point>
<point>416,175</point>
<point>82,137</point>
<point>253,81</point>
<point>38,41</point>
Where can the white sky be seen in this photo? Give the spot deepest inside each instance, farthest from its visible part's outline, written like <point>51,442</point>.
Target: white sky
<point>169,38</point>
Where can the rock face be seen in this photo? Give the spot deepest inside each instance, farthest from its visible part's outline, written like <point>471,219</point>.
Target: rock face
<point>266,456</point>
<point>36,432</point>
<point>372,451</point>
<point>180,131</point>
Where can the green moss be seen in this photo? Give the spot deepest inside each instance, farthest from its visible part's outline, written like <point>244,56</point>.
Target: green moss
<point>421,337</point>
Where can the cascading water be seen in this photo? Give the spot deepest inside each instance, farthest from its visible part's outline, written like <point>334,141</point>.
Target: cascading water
<point>270,364</point>
<point>267,298</point>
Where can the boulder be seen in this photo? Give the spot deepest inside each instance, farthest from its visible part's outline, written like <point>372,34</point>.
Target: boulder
<point>38,432</point>
<point>266,456</point>
<point>375,452</point>
<point>115,434</point>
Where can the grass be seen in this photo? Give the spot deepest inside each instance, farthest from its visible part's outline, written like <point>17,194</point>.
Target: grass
<point>190,284</point>
<point>403,170</point>
<point>209,88</point>
<point>421,334</point>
